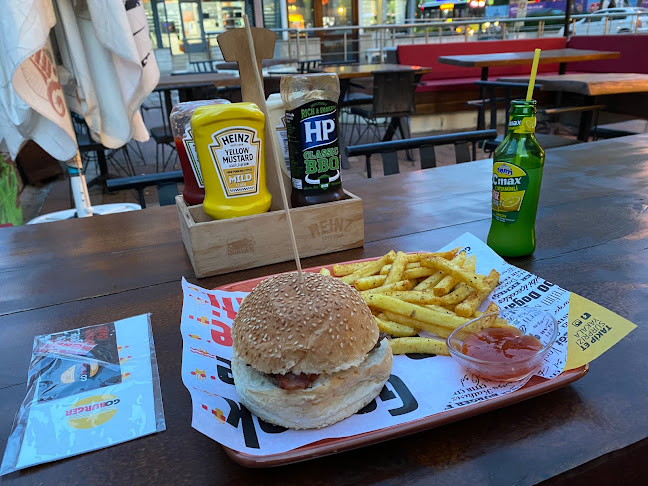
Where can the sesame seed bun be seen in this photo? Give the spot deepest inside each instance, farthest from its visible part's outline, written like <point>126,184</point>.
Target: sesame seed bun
<point>319,326</point>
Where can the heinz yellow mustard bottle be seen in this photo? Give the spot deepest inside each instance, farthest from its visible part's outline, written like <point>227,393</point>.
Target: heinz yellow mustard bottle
<point>230,147</point>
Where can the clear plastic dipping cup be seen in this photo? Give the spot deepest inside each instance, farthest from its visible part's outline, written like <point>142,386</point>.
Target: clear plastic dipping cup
<point>508,345</point>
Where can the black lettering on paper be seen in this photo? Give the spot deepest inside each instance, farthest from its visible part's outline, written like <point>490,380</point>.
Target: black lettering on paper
<point>409,402</point>
<point>238,413</point>
<point>225,373</point>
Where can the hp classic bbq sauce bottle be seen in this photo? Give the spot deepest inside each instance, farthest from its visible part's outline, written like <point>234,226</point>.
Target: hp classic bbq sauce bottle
<point>312,129</point>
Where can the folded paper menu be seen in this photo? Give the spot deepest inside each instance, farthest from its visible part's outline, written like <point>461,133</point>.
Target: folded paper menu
<point>87,388</point>
<point>417,388</point>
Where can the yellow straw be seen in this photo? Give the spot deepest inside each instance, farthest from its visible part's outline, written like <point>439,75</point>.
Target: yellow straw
<point>534,70</point>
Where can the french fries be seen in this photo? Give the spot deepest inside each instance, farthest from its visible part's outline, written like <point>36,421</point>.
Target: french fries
<point>444,332</point>
<point>418,312</point>
<point>404,345</point>
<point>430,281</point>
<point>340,270</point>
<point>471,278</point>
<point>468,306</point>
<point>385,270</point>
<point>367,283</point>
<point>393,328</point>
<point>447,282</point>
<point>402,285</point>
<point>370,268</point>
<point>433,293</point>
<point>397,269</point>
<point>417,257</point>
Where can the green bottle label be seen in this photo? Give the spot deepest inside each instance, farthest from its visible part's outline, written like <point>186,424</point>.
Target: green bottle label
<point>510,183</point>
<point>526,124</point>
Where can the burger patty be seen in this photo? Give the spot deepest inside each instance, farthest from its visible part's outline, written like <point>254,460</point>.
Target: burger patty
<point>301,381</point>
<point>291,381</point>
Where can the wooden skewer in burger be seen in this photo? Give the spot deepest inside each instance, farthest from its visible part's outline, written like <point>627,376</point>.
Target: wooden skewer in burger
<point>306,348</point>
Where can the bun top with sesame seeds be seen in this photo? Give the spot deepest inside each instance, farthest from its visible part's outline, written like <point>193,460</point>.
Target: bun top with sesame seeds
<point>319,326</point>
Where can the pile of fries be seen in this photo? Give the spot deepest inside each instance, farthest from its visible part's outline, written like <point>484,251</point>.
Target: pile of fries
<point>431,292</point>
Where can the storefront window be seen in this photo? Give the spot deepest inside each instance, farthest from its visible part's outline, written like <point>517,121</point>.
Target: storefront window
<point>148,9</point>
<point>272,14</point>
<point>336,12</point>
<point>369,12</point>
<point>300,14</point>
<point>219,15</point>
<point>184,26</point>
<point>374,12</point>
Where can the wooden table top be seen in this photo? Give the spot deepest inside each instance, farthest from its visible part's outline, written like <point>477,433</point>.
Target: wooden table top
<point>264,63</point>
<point>366,70</point>
<point>193,80</point>
<point>592,238</point>
<point>592,84</point>
<point>526,57</point>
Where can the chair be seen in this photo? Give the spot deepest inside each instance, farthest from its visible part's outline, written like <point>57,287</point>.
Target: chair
<point>393,99</point>
<point>309,66</point>
<point>355,98</point>
<point>425,145</point>
<point>87,145</point>
<point>161,134</point>
<point>203,67</point>
<point>166,182</point>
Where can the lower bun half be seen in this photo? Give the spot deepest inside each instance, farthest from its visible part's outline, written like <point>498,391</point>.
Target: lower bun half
<point>331,398</point>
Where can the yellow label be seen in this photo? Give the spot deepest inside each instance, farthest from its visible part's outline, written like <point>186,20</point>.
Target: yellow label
<point>525,125</point>
<point>230,146</point>
<point>235,153</point>
<point>592,331</point>
<point>510,183</point>
<point>92,411</point>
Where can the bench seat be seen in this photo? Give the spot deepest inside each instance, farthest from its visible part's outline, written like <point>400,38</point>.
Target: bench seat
<point>457,77</point>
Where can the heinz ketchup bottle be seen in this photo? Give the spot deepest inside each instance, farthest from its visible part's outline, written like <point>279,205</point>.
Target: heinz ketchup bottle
<point>180,118</point>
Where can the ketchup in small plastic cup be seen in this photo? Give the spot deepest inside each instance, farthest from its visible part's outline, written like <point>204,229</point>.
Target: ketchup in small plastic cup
<point>508,345</point>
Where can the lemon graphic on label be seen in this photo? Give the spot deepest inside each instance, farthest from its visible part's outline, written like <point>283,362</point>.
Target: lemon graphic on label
<point>511,203</point>
<point>529,123</point>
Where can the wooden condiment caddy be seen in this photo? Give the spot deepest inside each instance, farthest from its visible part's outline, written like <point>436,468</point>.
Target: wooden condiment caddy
<point>221,246</point>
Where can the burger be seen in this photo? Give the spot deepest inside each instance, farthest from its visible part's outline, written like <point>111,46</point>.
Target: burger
<point>307,354</point>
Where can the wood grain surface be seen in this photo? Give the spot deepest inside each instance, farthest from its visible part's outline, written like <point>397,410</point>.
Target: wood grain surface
<point>197,79</point>
<point>233,66</point>
<point>526,57</point>
<point>592,84</point>
<point>592,239</point>
<point>367,70</point>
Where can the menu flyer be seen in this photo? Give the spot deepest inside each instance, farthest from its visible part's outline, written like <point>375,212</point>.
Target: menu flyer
<point>87,388</point>
<point>419,385</point>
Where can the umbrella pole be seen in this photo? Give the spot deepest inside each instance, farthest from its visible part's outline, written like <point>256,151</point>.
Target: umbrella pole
<point>79,187</point>
<point>568,8</point>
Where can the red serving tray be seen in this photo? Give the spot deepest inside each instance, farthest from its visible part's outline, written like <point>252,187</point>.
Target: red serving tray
<point>535,386</point>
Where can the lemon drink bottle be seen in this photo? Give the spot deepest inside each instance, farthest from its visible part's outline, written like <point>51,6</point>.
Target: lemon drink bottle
<point>517,175</point>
